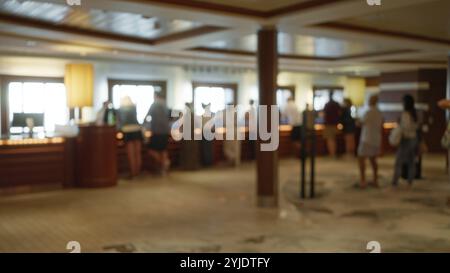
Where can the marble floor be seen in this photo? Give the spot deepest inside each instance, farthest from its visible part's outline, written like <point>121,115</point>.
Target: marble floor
<point>214,210</point>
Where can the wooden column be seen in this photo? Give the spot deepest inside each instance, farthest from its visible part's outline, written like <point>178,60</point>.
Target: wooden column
<point>4,118</point>
<point>267,162</point>
<point>448,86</point>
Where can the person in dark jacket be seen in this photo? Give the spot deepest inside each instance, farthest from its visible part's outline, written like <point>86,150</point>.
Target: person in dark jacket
<point>332,113</point>
<point>160,129</point>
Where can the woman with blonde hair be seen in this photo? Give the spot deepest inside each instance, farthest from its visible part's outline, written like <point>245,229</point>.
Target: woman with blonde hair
<point>132,134</point>
<point>370,141</point>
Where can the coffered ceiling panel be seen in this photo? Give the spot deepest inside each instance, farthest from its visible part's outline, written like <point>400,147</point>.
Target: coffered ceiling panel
<point>95,19</point>
<point>305,46</point>
<point>430,19</point>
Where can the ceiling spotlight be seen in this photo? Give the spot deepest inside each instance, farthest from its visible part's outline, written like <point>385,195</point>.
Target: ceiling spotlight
<point>157,25</point>
<point>31,43</point>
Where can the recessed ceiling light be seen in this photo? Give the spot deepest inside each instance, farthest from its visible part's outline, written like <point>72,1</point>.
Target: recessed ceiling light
<point>157,25</point>
<point>31,43</point>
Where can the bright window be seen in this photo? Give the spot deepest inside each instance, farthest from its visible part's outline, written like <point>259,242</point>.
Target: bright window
<point>219,97</point>
<point>39,97</point>
<point>141,95</point>
<point>322,96</point>
<point>283,95</point>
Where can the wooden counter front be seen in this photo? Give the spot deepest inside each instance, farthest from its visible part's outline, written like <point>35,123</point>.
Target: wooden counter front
<point>88,160</point>
<point>35,162</point>
<point>96,156</point>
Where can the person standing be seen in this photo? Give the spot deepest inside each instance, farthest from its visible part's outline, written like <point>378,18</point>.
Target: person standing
<point>294,118</point>
<point>190,148</point>
<point>207,146</point>
<point>349,127</point>
<point>231,147</point>
<point>101,117</point>
<point>332,111</point>
<point>132,134</point>
<point>370,141</point>
<point>406,152</point>
<point>160,130</point>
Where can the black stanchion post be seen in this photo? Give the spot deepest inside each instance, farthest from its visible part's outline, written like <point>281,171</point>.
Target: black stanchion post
<point>303,158</point>
<point>419,168</point>
<point>313,164</point>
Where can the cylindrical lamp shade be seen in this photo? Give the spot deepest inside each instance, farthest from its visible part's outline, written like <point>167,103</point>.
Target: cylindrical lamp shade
<point>79,80</point>
<point>356,90</point>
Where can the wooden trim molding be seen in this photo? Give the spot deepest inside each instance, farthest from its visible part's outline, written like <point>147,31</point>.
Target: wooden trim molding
<point>224,51</point>
<point>301,57</point>
<point>329,87</point>
<point>223,8</point>
<point>374,31</point>
<point>7,79</point>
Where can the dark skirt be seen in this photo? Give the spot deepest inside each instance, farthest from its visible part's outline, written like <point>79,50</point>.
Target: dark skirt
<point>349,128</point>
<point>130,136</point>
<point>207,152</point>
<point>158,142</point>
<point>296,133</point>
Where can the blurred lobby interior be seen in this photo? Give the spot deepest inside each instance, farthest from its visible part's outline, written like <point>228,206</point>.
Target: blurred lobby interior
<point>64,177</point>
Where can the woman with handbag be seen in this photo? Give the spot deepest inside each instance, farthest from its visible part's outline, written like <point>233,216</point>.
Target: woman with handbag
<point>406,152</point>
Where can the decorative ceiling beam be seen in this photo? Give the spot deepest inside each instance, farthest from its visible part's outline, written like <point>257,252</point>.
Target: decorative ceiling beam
<point>34,23</point>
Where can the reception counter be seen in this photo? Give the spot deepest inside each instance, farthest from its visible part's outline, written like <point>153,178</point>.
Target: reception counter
<point>34,163</point>
<point>97,155</point>
<point>87,160</point>
<point>286,148</point>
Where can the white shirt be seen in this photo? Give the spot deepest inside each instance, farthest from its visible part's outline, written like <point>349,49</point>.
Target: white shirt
<point>372,122</point>
<point>293,115</point>
<point>408,125</point>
